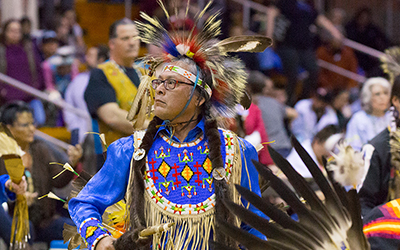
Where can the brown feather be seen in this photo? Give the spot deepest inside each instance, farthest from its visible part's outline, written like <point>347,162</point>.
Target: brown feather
<point>242,44</point>
<point>71,234</point>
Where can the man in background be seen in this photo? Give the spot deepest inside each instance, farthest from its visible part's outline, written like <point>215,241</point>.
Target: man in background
<point>74,93</point>
<point>113,85</point>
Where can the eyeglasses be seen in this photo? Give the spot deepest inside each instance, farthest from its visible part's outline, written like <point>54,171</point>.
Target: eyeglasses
<point>169,84</point>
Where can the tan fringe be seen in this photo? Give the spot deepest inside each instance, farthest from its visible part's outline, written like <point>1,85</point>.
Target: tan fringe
<point>192,228</point>
<point>236,174</point>
<point>187,228</point>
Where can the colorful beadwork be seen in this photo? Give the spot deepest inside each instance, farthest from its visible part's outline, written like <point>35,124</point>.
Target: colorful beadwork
<point>178,176</point>
<point>189,76</point>
<point>92,231</point>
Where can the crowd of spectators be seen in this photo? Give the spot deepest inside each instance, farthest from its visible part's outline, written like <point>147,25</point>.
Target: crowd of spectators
<point>291,94</point>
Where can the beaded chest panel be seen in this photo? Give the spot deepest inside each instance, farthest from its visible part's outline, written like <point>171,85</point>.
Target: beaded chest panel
<point>179,176</point>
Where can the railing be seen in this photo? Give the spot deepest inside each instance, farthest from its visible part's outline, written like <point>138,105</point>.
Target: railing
<point>341,71</point>
<point>44,96</point>
<point>51,139</point>
<point>362,48</point>
<point>248,5</point>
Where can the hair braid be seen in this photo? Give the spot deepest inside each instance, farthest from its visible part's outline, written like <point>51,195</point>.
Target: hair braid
<point>220,186</point>
<point>136,208</point>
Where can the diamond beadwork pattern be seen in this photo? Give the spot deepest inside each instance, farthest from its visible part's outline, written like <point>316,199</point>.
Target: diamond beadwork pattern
<point>207,165</point>
<point>187,173</point>
<point>164,169</point>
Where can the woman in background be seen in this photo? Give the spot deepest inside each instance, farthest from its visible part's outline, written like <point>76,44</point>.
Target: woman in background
<point>373,118</point>
<point>48,224</point>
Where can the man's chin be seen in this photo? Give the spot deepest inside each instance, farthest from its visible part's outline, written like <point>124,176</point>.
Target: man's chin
<point>159,114</point>
<point>163,115</point>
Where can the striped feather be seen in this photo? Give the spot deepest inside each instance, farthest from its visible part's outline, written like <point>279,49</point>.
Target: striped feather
<point>328,225</point>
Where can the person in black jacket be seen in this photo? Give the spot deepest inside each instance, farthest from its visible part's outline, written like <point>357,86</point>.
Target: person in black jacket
<point>374,191</point>
<point>380,189</point>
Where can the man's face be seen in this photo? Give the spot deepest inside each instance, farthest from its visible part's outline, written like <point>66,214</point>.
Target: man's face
<point>169,103</point>
<point>126,44</point>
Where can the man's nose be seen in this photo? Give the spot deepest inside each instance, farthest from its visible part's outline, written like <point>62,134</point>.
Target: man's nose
<point>160,89</point>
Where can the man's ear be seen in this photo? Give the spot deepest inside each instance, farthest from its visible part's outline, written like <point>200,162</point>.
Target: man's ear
<point>111,44</point>
<point>200,100</point>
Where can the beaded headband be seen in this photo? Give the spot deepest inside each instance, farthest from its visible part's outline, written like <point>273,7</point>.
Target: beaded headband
<point>189,76</point>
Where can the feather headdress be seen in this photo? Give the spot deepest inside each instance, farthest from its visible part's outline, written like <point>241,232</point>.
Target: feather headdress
<point>391,63</point>
<point>227,75</point>
<point>333,224</point>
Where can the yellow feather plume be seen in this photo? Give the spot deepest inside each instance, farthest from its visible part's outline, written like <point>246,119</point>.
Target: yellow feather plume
<point>162,6</point>
<point>201,14</point>
<point>153,21</point>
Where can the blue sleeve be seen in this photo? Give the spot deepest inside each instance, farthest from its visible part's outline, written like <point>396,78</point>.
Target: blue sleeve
<point>107,187</point>
<point>5,194</point>
<point>249,180</point>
